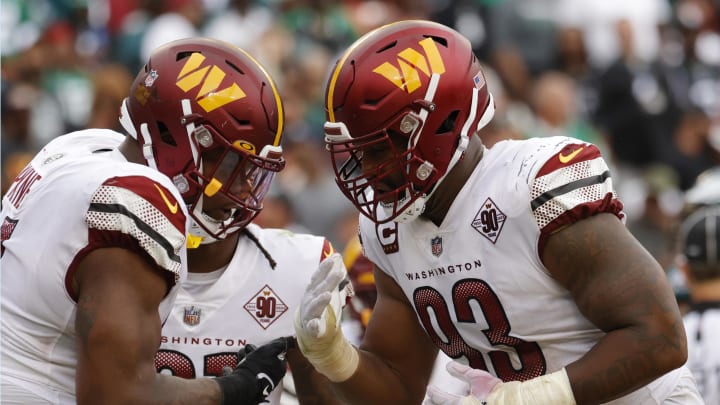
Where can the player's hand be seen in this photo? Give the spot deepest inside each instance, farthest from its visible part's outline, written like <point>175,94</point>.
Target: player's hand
<point>321,306</point>
<point>547,389</point>
<point>257,373</point>
<point>481,384</point>
<point>317,320</point>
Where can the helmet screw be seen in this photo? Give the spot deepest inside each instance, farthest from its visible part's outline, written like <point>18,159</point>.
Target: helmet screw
<point>423,172</point>
<point>408,124</point>
<point>181,183</point>
<point>203,136</point>
<point>183,120</point>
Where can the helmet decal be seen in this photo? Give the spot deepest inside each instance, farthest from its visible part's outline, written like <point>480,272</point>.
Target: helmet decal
<point>209,97</point>
<point>142,93</point>
<point>410,62</point>
<point>151,77</point>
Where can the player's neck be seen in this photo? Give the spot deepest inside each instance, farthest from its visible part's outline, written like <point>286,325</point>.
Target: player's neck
<point>212,256</point>
<point>131,150</point>
<point>441,200</point>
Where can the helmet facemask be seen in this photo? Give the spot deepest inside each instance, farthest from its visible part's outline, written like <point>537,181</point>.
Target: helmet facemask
<point>407,200</point>
<point>408,176</point>
<point>232,172</point>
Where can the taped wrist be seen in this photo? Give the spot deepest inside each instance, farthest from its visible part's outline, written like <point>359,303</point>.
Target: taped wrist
<point>550,389</point>
<point>332,354</point>
<point>238,388</point>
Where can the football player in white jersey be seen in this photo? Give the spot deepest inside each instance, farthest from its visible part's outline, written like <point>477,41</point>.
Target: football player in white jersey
<point>244,282</point>
<point>240,290</point>
<point>93,233</point>
<point>513,260</point>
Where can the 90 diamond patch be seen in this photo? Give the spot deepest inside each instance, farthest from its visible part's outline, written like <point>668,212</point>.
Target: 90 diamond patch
<point>489,221</point>
<point>265,307</point>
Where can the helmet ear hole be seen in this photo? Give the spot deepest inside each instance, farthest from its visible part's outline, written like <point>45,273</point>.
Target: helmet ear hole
<point>448,125</point>
<point>165,134</point>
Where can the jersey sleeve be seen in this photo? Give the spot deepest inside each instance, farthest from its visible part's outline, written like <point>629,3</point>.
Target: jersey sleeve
<point>140,214</point>
<point>327,250</point>
<point>573,184</point>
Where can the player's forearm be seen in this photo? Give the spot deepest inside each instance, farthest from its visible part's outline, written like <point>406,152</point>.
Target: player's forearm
<point>623,361</point>
<point>311,387</point>
<point>156,390</point>
<point>179,391</point>
<point>388,386</point>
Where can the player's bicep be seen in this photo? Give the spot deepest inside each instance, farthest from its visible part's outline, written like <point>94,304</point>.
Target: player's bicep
<point>597,258</point>
<point>395,335</point>
<point>117,324</point>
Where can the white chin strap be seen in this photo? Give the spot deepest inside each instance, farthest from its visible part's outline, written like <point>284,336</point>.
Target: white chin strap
<point>411,212</point>
<point>197,235</point>
<point>203,227</point>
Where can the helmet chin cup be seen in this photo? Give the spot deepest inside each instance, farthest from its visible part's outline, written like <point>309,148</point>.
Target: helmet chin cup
<point>210,229</point>
<point>197,235</point>
<point>414,210</point>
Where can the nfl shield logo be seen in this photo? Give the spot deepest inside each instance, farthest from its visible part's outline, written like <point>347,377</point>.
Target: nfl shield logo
<point>436,245</point>
<point>150,78</point>
<point>192,316</point>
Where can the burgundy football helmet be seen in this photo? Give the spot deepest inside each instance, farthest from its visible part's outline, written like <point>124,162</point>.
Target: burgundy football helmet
<point>200,100</point>
<point>414,81</point>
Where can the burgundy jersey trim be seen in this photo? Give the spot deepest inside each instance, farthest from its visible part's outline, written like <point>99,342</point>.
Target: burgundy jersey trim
<point>609,204</point>
<point>569,155</point>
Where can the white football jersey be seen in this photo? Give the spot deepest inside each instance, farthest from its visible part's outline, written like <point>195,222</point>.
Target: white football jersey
<point>78,194</point>
<point>477,282</point>
<point>249,303</point>
<point>702,325</point>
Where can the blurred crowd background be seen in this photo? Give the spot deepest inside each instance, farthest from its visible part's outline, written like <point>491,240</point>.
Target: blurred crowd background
<point>639,78</point>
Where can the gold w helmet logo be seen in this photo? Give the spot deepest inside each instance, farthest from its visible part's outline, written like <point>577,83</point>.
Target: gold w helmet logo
<point>410,61</point>
<point>209,78</point>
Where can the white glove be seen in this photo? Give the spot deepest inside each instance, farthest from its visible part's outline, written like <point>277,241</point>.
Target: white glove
<point>485,389</point>
<point>317,321</point>
<point>481,384</point>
